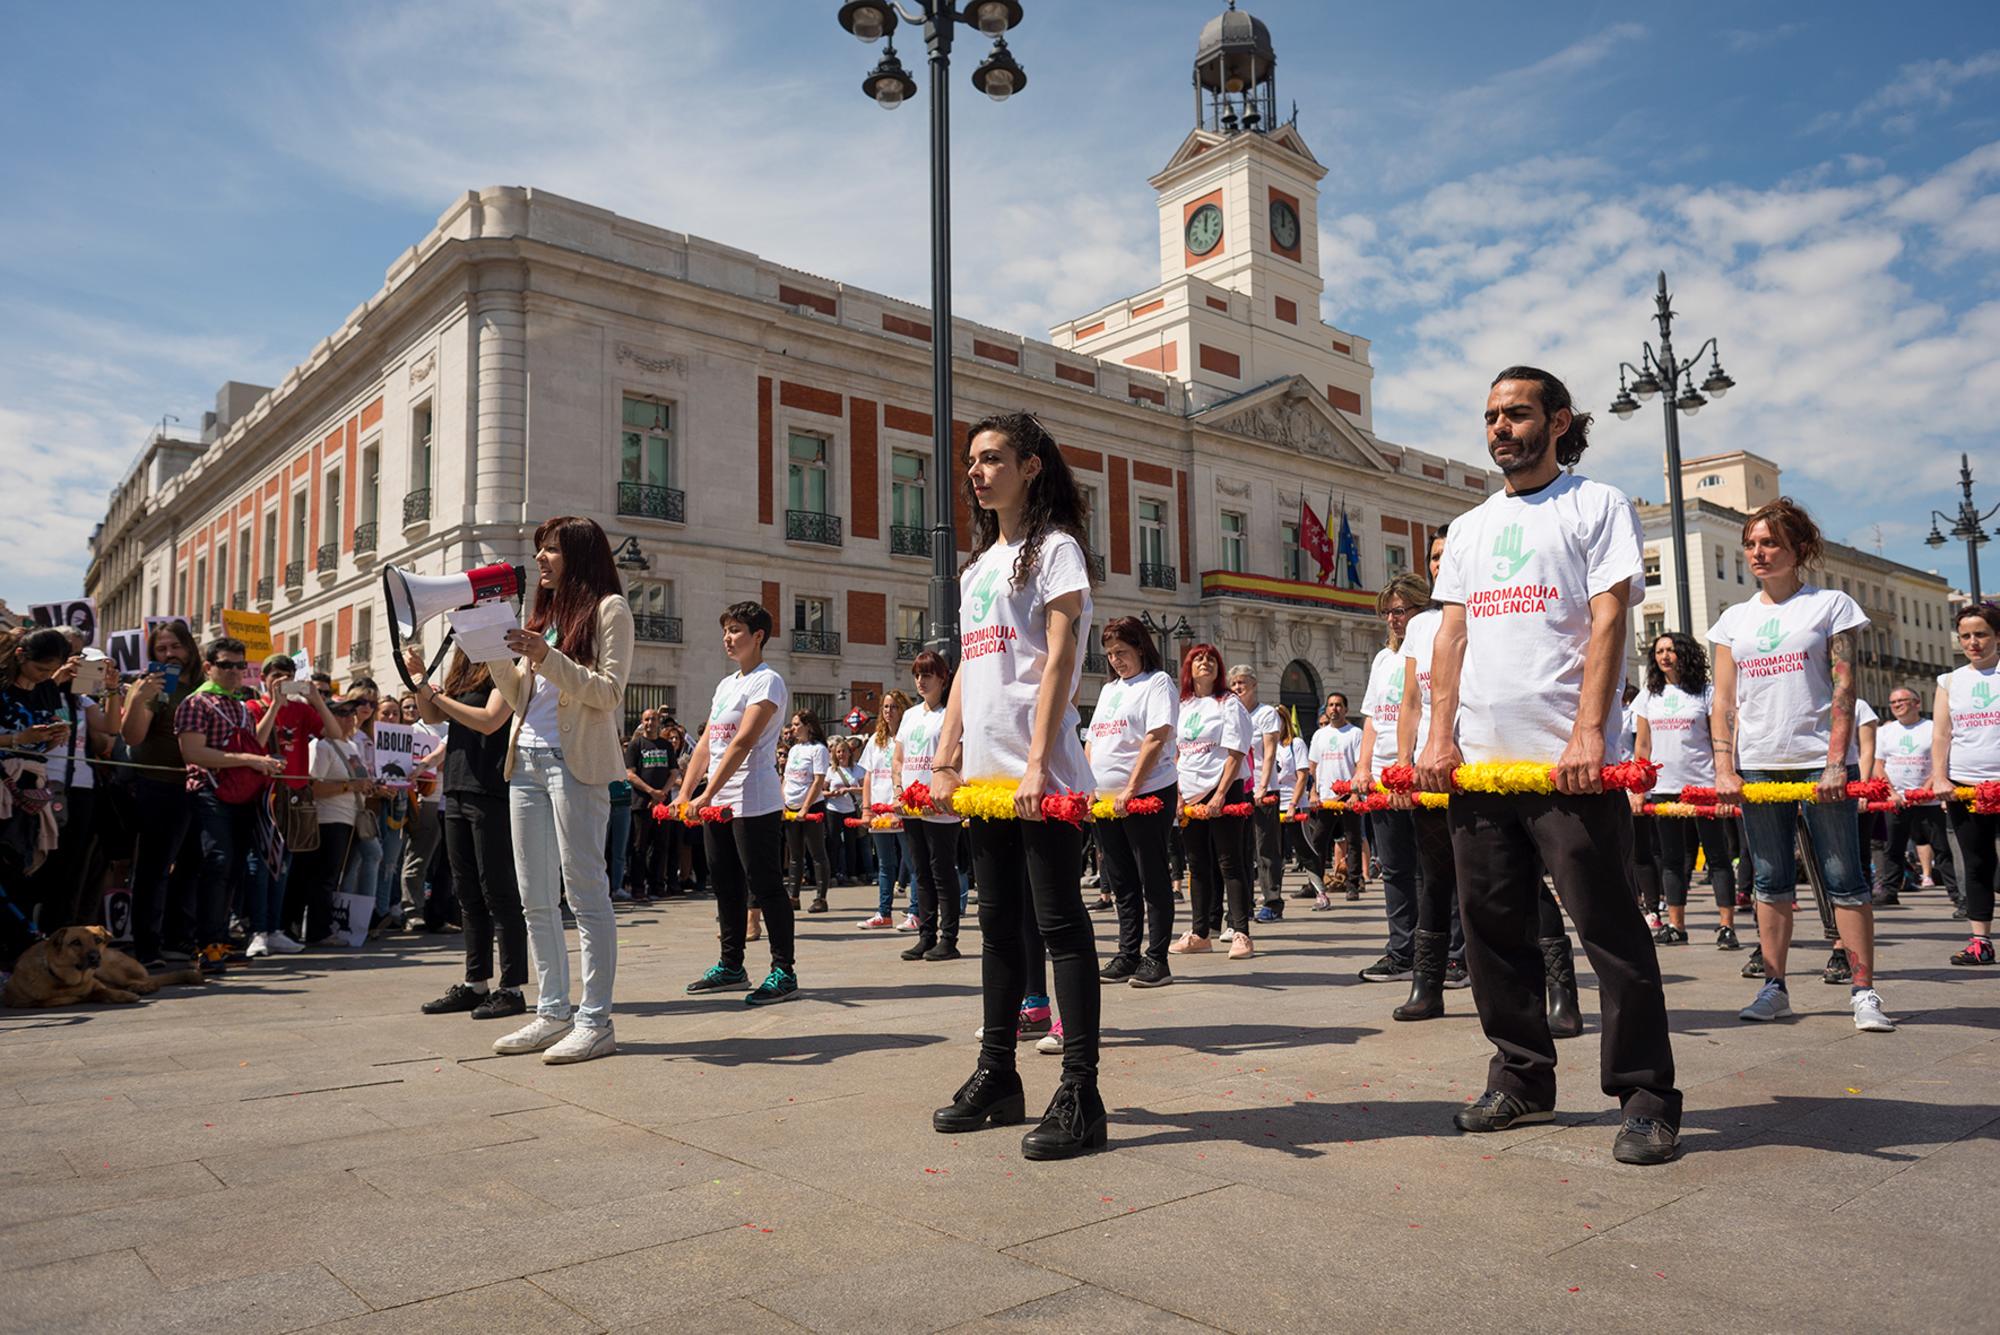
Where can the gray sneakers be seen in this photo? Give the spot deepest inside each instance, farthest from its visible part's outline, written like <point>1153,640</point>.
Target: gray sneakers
<point>1868,1016</point>
<point>1772,1003</point>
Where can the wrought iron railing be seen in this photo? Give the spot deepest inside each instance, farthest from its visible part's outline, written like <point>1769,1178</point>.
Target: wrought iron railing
<point>812,526</point>
<point>358,651</point>
<point>1095,663</point>
<point>417,506</point>
<point>327,559</point>
<point>1094,561</point>
<point>908,647</point>
<point>1153,575</point>
<point>365,536</point>
<point>650,502</point>
<point>908,540</point>
<point>264,589</point>
<point>657,629</point>
<point>815,641</point>
<point>295,575</point>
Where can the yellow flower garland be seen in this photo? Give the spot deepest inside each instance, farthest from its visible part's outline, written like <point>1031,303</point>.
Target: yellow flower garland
<point>1780,792</point>
<point>984,800</point>
<point>1504,777</point>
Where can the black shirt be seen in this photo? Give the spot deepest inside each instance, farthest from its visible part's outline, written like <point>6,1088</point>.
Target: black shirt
<point>24,707</point>
<point>651,759</point>
<point>475,761</point>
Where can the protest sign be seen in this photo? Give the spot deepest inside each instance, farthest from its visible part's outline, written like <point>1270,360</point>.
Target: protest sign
<point>79,614</point>
<point>393,746</point>
<point>127,651</point>
<point>254,629</point>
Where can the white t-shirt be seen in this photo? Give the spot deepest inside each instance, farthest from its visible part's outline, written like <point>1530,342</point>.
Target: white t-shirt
<point>875,758</point>
<point>337,760</point>
<point>842,776</point>
<point>539,726</point>
<point>1210,728</point>
<point>1905,753</point>
<point>1382,703</point>
<point>1784,679</point>
<point>1419,637</point>
<point>801,763</point>
<point>1974,699</point>
<point>1264,722</point>
<point>1285,772</point>
<point>753,789</point>
<point>1333,755</point>
<point>1525,569</point>
<point>1126,711</point>
<point>1003,652</point>
<point>919,738</point>
<point>1864,714</point>
<point>1628,729</point>
<point>1681,745</point>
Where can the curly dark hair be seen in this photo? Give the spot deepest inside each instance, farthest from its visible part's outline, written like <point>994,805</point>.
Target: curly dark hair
<point>1693,660</point>
<point>1054,504</point>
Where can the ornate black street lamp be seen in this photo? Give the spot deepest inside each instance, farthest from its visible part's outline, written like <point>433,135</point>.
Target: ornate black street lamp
<point>1968,525</point>
<point>999,76</point>
<point>1661,374</point>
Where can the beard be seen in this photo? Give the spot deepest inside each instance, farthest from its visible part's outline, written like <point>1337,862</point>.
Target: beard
<point>1529,447</point>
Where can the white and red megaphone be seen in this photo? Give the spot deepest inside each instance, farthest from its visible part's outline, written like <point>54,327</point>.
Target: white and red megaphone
<point>416,599</point>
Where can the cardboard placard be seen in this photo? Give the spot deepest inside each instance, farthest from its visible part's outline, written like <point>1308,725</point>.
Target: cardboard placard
<point>254,629</point>
<point>76,614</point>
<point>394,761</point>
<point>127,651</point>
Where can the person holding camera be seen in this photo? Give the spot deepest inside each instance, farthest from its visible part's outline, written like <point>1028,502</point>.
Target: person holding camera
<point>168,853</point>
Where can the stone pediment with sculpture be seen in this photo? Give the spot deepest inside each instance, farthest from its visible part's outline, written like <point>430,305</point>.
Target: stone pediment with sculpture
<point>1299,420</point>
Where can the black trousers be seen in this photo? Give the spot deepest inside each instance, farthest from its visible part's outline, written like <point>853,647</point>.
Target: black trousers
<point>1437,879</point>
<point>1395,840</point>
<point>934,865</point>
<point>653,873</point>
<point>1922,825</point>
<point>1679,837</point>
<point>808,836</point>
<point>1646,860</point>
<point>478,841</point>
<point>744,866</point>
<point>1326,829</point>
<point>1267,852</point>
<point>63,884</point>
<point>165,863</point>
<point>1132,853</point>
<point>1215,870</point>
<point>1979,863</point>
<point>1017,863</point>
<point>318,875</point>
<point>1586,843</point>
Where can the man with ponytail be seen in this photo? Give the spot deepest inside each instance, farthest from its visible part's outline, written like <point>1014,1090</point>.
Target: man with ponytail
<point>1535,588</point>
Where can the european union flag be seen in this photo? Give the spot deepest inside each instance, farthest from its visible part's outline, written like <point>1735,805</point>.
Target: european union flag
<point>1350,551</point>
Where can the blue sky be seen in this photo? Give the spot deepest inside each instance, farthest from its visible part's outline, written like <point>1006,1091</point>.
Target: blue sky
<point>201,192</point>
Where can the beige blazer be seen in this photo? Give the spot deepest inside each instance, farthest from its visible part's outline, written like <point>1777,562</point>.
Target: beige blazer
<point>590,700</point>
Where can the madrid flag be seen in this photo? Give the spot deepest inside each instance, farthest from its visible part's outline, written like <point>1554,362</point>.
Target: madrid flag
<point>1313,540</point>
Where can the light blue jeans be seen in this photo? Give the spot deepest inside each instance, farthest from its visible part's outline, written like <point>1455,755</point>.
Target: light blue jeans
<point>558,831</point>
<point>1770,831</point>
<point>364,866</point>
<point>389,882</point>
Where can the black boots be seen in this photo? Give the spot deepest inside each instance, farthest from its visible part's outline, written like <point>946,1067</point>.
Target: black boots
<point>989,1096</point>
<point>1426,979</point>
<point>1565,1017</point>
<point>1073,1125</point>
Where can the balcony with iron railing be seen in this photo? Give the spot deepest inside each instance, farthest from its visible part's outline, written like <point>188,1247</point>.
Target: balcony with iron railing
<point>358,652</point>
<point>295,576</point>
<point>215,614</point>
<point>327,559</point>
<point>656,629</point>
<point>812,526</point>
<point>1094,561</point>
<point>646,501</point>
<point>1096,664</point>
<point>365,536</point>
<point>908,647</point>
<point>815,641</point>
<point>417,506</point>
<point>909,540</point>
<point>1155,575</point>
<point>265,589</point>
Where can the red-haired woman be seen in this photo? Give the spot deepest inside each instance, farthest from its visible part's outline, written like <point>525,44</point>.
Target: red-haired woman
<point>1132,755</point>
<point>1012,719</point>
<point>1214,741</point>
<point>567,692</point>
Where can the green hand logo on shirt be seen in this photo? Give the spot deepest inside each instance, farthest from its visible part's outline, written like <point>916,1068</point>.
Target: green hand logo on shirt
<point>1194,725</point>
<point>1908,744</point>
<point>921,732</point>
<point>984,591</point>
<point>1396,683</point>
<point>1508,556</point>
<point>1982,694</point>
<point>1108,699</point>
<point>1769,636</point>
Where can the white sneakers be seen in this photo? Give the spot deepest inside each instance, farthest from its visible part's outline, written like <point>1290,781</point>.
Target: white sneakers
<point>281,944</point>
<point>581,1045</point>
<point>1868,1016</point>
<point>260,946</point>
<point>910,924</point>
<point>559,1041</point>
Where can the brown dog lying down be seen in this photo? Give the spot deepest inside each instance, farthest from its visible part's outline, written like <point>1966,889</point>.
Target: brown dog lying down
<point>79,964</point>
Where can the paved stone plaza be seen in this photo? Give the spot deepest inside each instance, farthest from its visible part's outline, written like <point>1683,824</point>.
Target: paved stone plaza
<point>298,1148</point>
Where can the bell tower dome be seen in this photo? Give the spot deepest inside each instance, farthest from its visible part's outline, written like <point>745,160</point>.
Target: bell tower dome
<point>1235,75</point>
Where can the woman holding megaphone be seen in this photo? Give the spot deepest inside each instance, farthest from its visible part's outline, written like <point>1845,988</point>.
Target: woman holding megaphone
<point>566,692</point>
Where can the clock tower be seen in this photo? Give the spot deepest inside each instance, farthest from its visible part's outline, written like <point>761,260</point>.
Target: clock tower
<point>1237,304</point>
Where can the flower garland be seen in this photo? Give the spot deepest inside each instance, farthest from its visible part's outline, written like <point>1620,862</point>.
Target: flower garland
<point>1105,809</point>
<point>916,799</point>
<point>1511,778</point>
<point>814,817</point>
<point>1690,809</point>
<point>1236,810</point>
<point>1867,790</point>
<point>855,823</point>
<point>990,800</point>
<point>886,824</point>
<point>688,815</point>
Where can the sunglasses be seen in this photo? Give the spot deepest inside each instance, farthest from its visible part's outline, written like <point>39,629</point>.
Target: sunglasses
<point>228,665</point>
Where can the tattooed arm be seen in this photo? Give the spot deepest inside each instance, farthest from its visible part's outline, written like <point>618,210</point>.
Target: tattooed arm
<point>1722,727</point>
<point>1840,661</point>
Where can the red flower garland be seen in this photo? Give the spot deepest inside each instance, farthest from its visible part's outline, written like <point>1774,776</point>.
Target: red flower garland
<point>917,795</point>
<point>1069,808</point>
<point>1867,790</point>
<point>855,822</point>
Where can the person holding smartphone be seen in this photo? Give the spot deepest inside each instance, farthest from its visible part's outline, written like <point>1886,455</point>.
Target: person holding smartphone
<point>167,855</point>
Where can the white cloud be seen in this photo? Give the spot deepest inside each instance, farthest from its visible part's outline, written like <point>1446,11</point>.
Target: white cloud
<point>1918,88</point>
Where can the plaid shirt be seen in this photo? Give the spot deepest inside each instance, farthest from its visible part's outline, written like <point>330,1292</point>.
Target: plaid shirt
<point>217,718</point>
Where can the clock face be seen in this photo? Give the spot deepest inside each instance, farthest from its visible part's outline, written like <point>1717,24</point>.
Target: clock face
<point>1204,229</point>
<point>1284,225</point>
